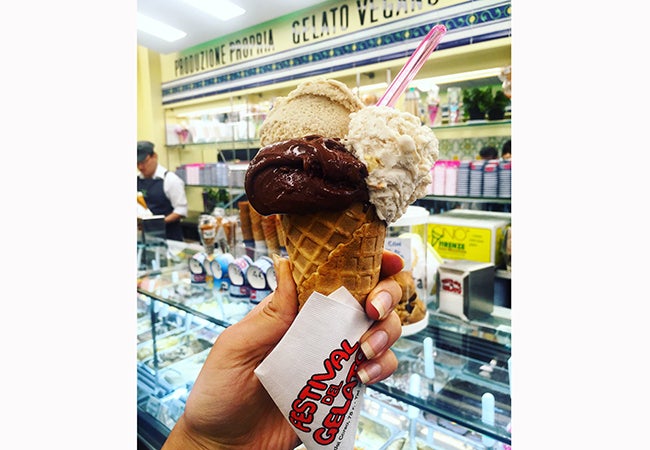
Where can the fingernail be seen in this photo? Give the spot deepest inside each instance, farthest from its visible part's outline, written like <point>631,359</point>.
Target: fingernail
<point>369,372</point>
<point>374,344</point>
<point>382,303</point>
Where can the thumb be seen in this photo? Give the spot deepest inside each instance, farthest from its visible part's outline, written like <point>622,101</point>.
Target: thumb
<point>269,321</point>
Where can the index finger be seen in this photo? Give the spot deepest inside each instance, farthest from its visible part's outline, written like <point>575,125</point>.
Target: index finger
<point>391,263</point>
<point>385,296</point>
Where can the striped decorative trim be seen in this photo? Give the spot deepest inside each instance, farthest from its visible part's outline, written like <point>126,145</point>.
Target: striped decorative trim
<point>465,26</point>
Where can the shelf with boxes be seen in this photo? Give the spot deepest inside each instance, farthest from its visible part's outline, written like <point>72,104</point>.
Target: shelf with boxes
<point>231,154</point>
<point>237,120</point>
<point>469,182</point>
<point>242,151</point>
<point>216,181</point>
<point>207,147</point>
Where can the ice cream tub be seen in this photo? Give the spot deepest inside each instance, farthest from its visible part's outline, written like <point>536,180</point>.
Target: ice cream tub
<point>237,270</point>
<point>199,265</point>
<point>407,237</point>
<point>256,273</point>
<point>219,265</point>
<point>271,278</point>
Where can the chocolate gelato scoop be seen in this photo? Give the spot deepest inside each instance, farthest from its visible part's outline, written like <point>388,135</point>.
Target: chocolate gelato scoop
<point>302,176</point>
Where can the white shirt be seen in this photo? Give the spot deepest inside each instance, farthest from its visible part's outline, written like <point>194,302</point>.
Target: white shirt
<point>174,188</point>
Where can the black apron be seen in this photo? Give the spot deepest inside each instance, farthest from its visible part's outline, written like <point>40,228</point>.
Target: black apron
<point>158,203</point>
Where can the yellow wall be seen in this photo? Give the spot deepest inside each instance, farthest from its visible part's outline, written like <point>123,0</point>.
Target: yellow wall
<point>151,120</point>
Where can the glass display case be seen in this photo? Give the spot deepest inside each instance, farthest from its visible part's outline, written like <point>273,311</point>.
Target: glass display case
<point>451,389</point>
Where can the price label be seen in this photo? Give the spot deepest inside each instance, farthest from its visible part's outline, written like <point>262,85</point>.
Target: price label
<point>401,246</point>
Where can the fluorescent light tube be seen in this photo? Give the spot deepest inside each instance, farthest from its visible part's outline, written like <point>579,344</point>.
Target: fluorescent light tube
<point>373,87</point>
<point>221,9</point>
<point>456,77</point>
<point>425,84</point>
<point>159,29</point>
<point>220,110</point>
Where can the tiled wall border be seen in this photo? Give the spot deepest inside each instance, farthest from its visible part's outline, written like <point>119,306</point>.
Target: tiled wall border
<point>468,148</point>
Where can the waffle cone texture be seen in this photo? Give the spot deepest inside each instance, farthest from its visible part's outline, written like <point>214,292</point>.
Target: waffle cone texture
<point>245,219</point>
<point>332,249</point>
<point>271,233</point>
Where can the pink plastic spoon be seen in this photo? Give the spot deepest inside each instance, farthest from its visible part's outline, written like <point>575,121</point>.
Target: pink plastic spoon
<point>412,66</point>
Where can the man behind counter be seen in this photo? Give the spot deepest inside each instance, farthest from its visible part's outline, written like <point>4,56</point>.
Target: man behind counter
<point>163,190</point>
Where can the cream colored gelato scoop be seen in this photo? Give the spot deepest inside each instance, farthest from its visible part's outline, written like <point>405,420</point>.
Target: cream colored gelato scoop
<point>398,152</point>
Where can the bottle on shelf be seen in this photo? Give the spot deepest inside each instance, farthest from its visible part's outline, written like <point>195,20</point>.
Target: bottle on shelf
<point>434,113</point>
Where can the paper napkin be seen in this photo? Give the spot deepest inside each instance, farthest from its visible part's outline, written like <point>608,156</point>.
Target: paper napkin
<point>311,374</point>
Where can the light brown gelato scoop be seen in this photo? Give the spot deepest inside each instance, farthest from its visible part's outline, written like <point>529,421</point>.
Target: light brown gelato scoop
<point>321,107</point>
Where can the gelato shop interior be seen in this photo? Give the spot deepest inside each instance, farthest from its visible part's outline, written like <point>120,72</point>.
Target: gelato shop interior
<point>204,108</point>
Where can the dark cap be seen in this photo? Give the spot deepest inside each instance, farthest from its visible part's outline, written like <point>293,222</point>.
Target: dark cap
<point>145,148</point>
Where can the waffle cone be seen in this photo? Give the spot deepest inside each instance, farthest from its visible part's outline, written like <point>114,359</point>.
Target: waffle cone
<point>332,249</point>
<point>245,219</point>
<point>230,227</point>
<point>282,240</point>
<point>141,201</point>
<point>271,233</point>
<point>256,224</point>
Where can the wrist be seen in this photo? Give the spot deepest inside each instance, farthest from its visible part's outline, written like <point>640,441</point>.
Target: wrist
<point>182,438</point>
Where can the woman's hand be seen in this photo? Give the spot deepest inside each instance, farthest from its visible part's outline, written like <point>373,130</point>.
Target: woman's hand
<point>228,408</point>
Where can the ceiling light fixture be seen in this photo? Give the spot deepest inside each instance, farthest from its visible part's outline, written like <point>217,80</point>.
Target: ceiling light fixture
<point>221,110</point>
<point>159,29</point>
<point>221,9</point>
<point>426,84</point>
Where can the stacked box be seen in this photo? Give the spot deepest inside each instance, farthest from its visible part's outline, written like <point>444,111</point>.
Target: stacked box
<point>463,237</point>
<point>466,289</point>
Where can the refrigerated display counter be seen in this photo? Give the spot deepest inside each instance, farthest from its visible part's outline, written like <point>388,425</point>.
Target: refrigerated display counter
<point>178,321</point>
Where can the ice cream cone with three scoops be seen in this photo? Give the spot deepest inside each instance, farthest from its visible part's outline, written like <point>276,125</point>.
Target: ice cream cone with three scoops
<point>315,174</point>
